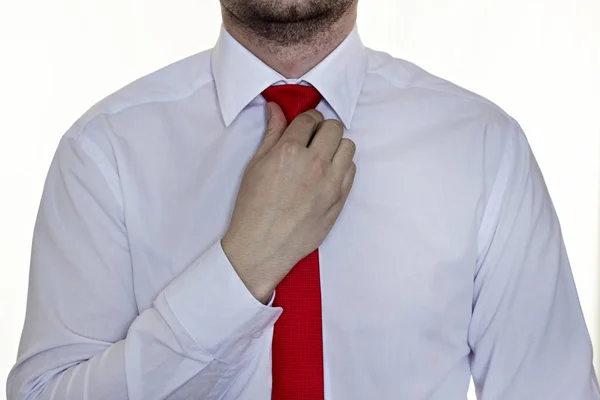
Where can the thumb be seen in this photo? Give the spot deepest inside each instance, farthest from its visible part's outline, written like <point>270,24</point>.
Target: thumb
<point>276,125</point>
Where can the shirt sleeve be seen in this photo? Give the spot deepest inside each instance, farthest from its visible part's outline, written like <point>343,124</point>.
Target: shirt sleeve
<point>84,337</point>
<point>528,335</point>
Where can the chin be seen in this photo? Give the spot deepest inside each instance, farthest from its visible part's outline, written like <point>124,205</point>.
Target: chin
<point>287,21</point>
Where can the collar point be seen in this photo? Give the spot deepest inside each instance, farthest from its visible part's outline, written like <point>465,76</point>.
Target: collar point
<point>347,125</point>
<point>227,117</point>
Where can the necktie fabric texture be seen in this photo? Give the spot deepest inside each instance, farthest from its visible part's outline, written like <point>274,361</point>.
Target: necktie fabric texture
<point>297,351</point>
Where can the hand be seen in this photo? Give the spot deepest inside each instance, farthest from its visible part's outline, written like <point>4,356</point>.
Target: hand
<point>289,199</point>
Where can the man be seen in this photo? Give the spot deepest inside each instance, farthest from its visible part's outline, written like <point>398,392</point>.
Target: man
<point>387,245</point>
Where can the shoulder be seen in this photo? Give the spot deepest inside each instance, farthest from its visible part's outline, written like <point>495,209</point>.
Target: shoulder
<point>171,83</point>
<point>450,113</point>
<point>442,98</point>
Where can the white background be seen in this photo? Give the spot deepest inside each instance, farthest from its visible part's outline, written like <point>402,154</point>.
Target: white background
<point>537,59</point>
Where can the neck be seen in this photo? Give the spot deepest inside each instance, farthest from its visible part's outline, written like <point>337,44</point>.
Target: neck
<point>292,61</point>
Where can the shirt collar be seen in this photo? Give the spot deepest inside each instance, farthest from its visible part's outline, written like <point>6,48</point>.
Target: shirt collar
<point>240,76</point>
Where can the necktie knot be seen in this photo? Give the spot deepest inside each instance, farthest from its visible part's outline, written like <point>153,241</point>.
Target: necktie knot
<point>293,99</point>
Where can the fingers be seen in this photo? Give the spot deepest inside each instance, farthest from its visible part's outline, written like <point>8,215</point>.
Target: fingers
<point>343,158</point>
<point>276,125</point>
<point>327,139</point>
<point>347,183</point>
<point>302,127</point>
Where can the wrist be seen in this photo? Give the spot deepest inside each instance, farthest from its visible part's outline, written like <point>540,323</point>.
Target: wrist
<point>254,277</point>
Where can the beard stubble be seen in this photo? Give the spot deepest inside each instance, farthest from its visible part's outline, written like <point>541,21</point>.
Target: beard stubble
<point>289,25</point>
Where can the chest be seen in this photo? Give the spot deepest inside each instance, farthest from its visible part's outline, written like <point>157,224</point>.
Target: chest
<point>405,240</point>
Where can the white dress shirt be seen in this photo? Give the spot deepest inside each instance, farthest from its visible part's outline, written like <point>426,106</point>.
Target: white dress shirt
<point>447,260</point>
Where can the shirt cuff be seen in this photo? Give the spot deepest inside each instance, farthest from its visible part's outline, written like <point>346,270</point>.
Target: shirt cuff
<point>211,304</point>
<point>270,303</point>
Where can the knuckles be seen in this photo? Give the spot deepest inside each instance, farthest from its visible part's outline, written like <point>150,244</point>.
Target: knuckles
<point>314,171</point>
<point>333,124</point>
<point>318,167</point>
<point>291,148</point>
<point>331,192</point>
<point>306,119</point>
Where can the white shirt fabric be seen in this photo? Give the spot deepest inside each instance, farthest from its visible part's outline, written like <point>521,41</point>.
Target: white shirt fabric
<point>447,260</point>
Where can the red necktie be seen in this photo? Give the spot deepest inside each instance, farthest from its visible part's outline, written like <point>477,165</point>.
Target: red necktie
<point>298,334</point>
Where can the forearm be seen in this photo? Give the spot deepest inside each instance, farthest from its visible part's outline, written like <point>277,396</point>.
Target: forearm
<point>148,364</point>
<point>202,326</point>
